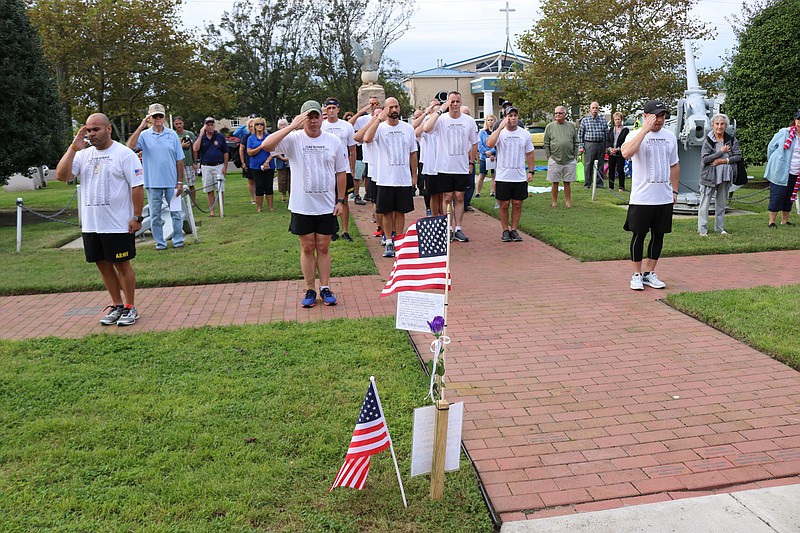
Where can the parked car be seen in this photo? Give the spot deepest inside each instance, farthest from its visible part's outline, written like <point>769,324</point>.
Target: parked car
<point>537,135</point>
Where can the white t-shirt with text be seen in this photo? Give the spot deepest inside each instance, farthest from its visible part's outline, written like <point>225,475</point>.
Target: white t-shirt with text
<point>344,130</point>
<point>651,167</point>
<point>394,145</point>
<point>512,146</point>
<point>314,162</point>
<point>106,179</point>
<point>454,140</point>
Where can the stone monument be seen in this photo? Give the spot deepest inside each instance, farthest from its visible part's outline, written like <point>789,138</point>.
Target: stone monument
<point>370,58</point>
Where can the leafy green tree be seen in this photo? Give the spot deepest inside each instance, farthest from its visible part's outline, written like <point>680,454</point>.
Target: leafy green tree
<point>263,46</point>
<point>31,108</point>
<point>762,83</point>
<point>117,57</point>
<point>620,53</point>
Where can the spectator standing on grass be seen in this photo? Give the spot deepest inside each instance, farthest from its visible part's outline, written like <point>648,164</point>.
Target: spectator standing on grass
<point>162,158</point>
<point>244,157</point>
<point>783,166</point>
<point>718,158</point>
<point>617,134</point>
<point>456,150</point>
<point>281,166</point>
<point>561,151</point>
<point>592,144</point>
<point>261,170</point>
<point>344,130</point>
<point>319,169</point>
<point>485,154</point>
<point>111,211</point>
<point>653,152</point>
<point>189,161</point>
<point>212,150</point>
<point>514,148</point>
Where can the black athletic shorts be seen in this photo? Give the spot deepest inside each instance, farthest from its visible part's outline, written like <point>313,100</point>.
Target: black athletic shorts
<point>350,187</point>
<point>432,184</point>
<point>511,190</point>
<point>263,180</point>
<point>452,182</point>
<point>644,218</point>
<point>305,224</point>
<point>394,199</point>
<point>111,247</point>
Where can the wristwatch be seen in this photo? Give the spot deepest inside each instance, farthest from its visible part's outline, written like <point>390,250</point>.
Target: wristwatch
<point>138,218</point>
<point>340,200</point>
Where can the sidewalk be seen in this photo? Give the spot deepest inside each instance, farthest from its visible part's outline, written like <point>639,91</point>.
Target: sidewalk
<point>580,394</point>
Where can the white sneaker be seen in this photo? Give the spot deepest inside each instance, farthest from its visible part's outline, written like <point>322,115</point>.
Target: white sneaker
<point>651,280</point>
<point>636,282</point>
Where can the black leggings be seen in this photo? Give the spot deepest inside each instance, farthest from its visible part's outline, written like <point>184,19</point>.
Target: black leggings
<point>653,249</point>
<point>263,181</point>
<point>616,168</point>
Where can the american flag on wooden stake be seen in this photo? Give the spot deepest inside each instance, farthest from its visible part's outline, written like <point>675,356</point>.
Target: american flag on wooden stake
<point>371,436</point>
<point>421,257</point>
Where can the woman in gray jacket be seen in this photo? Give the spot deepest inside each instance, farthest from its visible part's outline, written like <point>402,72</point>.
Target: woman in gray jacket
<point>719,156</point>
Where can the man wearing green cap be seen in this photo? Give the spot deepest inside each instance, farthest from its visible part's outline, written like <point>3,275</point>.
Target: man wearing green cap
<point>319,169</point>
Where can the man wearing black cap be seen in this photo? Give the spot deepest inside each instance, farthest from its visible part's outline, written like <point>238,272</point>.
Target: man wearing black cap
<point>212,149</point>
<point>653,152</point>
<point>319,168</point>
<point>345,131</point>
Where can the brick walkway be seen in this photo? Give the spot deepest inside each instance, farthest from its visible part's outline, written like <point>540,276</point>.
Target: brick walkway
<point>579,393</point>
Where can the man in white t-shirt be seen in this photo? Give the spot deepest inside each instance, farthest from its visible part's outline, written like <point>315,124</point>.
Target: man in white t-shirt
<point>396,172</point>
<point>358,121</point>
<point>427,154</point>
<point>319,169</point>
<point>344,130</point>
<point>653,152</point>
<point>370,164</point>
<point>456,150</point>
<point>112,199</point>
<point>514,150</point>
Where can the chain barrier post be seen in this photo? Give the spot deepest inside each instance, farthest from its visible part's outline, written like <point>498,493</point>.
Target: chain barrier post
<point>220,185</point>
<point>78,193</point>
<point>19,225</point>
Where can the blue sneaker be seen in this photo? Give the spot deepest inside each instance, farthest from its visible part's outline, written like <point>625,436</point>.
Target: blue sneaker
<point>428,212</point>
<point>327,296</point>
<point>310,299</point>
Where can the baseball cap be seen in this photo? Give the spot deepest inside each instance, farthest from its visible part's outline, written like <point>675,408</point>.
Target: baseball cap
<point>511,109</point>
<point>654,107</point>
<point>208,119</point>
<point>311,105</point>
<point>797,114</point>
<point>506,103</point>
<point>253,115</point>
<point>156,109</point>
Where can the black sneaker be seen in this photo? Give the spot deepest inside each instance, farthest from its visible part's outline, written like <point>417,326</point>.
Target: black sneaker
<point>129,317</point>
<point>460,237</point>
<point>515,236</point>
<point>113,315</point>
<point>335,237</point>
<point>346,236</point>
<point>506,236</point>
<point>359,201</point>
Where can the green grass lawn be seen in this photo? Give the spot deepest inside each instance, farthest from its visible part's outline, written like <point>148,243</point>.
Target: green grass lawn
<point>592,230</point>
<point>243,246</point>
<point>766,318</point>
<point>215,429</point>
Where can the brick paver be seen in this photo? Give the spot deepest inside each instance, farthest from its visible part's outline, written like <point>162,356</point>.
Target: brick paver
<point>579,393</point>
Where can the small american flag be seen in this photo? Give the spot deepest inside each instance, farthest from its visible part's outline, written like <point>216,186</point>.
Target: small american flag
<point>421,257</point>
<point>371,436</point>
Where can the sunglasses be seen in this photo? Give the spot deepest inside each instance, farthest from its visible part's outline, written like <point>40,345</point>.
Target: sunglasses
<point>157,115</point>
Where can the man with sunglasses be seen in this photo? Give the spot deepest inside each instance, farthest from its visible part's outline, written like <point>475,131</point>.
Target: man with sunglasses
<point>212,149</point>
<point>162,159</point>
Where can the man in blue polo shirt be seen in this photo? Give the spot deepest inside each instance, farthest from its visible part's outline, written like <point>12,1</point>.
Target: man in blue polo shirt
<point>162,159</point>
<point>213,152</point>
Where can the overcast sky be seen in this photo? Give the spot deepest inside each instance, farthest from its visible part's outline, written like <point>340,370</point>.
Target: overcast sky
<point>478,26</point>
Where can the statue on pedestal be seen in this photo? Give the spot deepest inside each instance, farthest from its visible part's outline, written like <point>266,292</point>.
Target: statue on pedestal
<point>370,59</point>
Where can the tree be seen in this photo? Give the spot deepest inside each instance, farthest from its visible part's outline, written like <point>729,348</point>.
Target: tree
<point>30,106</point>
<point>761,83</point>
<point>577,56</point>
<point>117,57</point>
<point>264,49</point>
<point>365,21</point>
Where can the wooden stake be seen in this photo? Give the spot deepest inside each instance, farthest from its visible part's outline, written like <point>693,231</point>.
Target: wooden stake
<point>439,449</point>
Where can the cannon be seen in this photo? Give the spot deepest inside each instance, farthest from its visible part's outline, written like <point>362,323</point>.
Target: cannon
<point>691,124</point>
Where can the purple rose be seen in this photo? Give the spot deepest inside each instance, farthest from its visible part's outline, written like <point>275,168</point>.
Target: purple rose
<point>437,325</point>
